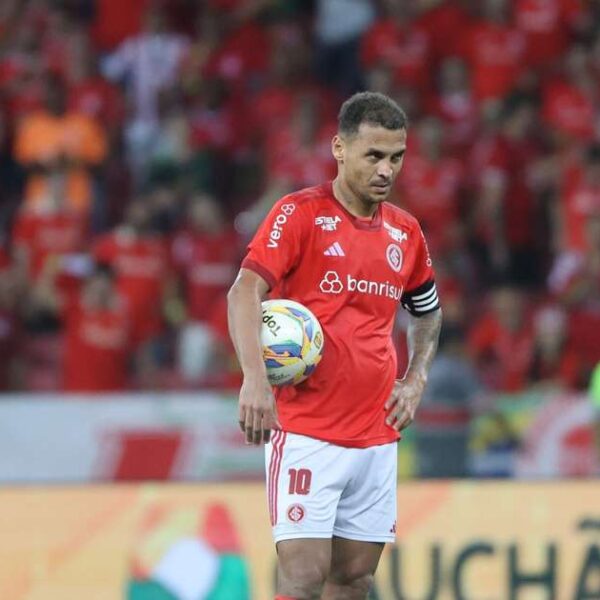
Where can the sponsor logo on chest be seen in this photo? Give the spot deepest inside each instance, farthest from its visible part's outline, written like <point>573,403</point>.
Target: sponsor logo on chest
<point>332,283</point>
<point>280,220</point>
<point>327,223</point>
<point>396,234</point>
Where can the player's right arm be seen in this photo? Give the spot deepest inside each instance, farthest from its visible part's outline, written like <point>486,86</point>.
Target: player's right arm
<point>257,412</point>
<point>274,251</point>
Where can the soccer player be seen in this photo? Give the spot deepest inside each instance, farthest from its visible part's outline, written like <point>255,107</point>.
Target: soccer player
<point>352,258</point>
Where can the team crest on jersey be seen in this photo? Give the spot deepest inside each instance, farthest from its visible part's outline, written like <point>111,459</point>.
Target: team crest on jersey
<point>296,513</point>
<point>394,257</point>
<point>396,234</point>
<point>327,223</point>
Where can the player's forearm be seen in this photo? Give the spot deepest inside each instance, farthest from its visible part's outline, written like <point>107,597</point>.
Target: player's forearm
<point>244,317</point>
<point>422,337</point>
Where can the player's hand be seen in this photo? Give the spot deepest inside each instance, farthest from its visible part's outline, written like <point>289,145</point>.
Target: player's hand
<point>257,411</point>
<point>402,404</point>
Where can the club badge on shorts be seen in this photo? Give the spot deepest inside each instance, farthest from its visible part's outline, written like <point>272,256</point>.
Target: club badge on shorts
<point>296,513</point>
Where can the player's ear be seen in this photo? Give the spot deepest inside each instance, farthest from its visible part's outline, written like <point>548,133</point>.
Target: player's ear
<point>337,148</point>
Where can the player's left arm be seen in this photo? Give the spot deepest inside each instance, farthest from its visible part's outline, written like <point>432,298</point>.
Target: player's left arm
<point>423,305</point>
<point>422,337</point>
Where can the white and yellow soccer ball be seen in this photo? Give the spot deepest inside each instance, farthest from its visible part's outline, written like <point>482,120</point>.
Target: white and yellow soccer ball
<point>292,341</point>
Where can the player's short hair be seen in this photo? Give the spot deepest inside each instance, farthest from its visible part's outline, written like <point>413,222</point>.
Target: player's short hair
<point>372,108</point>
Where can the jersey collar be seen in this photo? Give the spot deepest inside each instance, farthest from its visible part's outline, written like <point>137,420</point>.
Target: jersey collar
<point>370,224</point>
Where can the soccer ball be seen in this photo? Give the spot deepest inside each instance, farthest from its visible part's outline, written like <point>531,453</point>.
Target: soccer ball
<point>292,341</point>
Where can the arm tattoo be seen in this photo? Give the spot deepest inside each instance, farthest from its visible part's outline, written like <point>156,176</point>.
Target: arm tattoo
<point>422,337</point>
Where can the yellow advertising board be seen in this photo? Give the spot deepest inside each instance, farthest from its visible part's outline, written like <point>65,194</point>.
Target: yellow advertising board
<point>456,540</point>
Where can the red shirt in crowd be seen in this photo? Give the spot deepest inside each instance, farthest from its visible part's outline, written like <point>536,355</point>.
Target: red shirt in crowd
<point>116,20</point>
<point>459,112</point>
<point>299,164</point>
<point>272,108</point>
<point>445,24</point>
<point>545,24</point>
<point>405,49</point>
<point>97,347</point>
<point>569,110</point>
<point>504,356</point>
<point>207,265</point>
<point>246,51</point>
<point>579,201</point>
<point>143,268</point>
<point>496,55</point>
<point>501,157</point>
<point>97,98</point>
<point>353,274</point>
<point>45,235</point>
<point>431,192</point>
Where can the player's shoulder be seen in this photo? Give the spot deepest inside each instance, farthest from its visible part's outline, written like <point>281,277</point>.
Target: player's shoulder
<point>396,216</point>
<point>310,198</point>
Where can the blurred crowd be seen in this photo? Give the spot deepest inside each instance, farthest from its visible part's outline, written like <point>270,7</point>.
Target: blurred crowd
<point>142,142</point>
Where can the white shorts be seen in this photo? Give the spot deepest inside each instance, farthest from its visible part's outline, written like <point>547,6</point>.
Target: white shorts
<point>318,490</point>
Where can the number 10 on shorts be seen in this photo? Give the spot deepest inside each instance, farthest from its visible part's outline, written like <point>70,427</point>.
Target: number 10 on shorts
<point>299,481</point>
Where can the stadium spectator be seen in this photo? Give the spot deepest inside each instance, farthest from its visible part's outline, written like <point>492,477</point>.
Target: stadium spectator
<point>556,362</point>
<point>299,154</point>
<point>452,101</point>
<point>398,41</point>
<point>97,332</point>
<point>205,254</point>
<point>575,279</point>
<point>547,25</point>
<point>431,187</point>
<point>504,212</point>
<point>47,236</point>
<point>569,100</point>
<point>500,342</point>
<point>147,64</point>
<point>445,21</point>
<point>139,255</point>
<point>495,51</point>
<point>11,294</point>
<point>579,201</point>
<point>339,27</point>
<point>59,150</point>
<point>89,92</point>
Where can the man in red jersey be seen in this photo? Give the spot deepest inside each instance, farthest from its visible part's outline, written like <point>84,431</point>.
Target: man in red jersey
<point>351,258</point>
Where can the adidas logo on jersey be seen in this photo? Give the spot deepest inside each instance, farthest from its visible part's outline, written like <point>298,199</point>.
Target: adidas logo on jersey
<point>334,250</point>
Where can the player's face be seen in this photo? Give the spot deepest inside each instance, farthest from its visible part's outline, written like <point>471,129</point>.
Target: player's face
<point>369,161</point>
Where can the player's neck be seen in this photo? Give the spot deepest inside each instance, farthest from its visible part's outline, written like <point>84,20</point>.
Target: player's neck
<point>351,202</point>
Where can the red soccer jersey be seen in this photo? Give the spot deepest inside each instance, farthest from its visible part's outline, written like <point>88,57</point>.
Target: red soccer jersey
<point>430,190</point>
<point>569,110</point>
<point>97,346</point>
<point>47,235</point>
<point>495,54</point>
<point>142,266</point>
<point>207,267</point>
<point>352,273</point>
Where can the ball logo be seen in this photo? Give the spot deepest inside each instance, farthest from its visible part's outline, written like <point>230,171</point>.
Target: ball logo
<point>331,283</point>
<point>295,513</point>
<point>394,257</point>
<point>318,340</point>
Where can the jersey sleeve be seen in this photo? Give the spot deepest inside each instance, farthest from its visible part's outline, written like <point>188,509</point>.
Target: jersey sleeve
<point>275,249</point>
<point>420,296</point>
